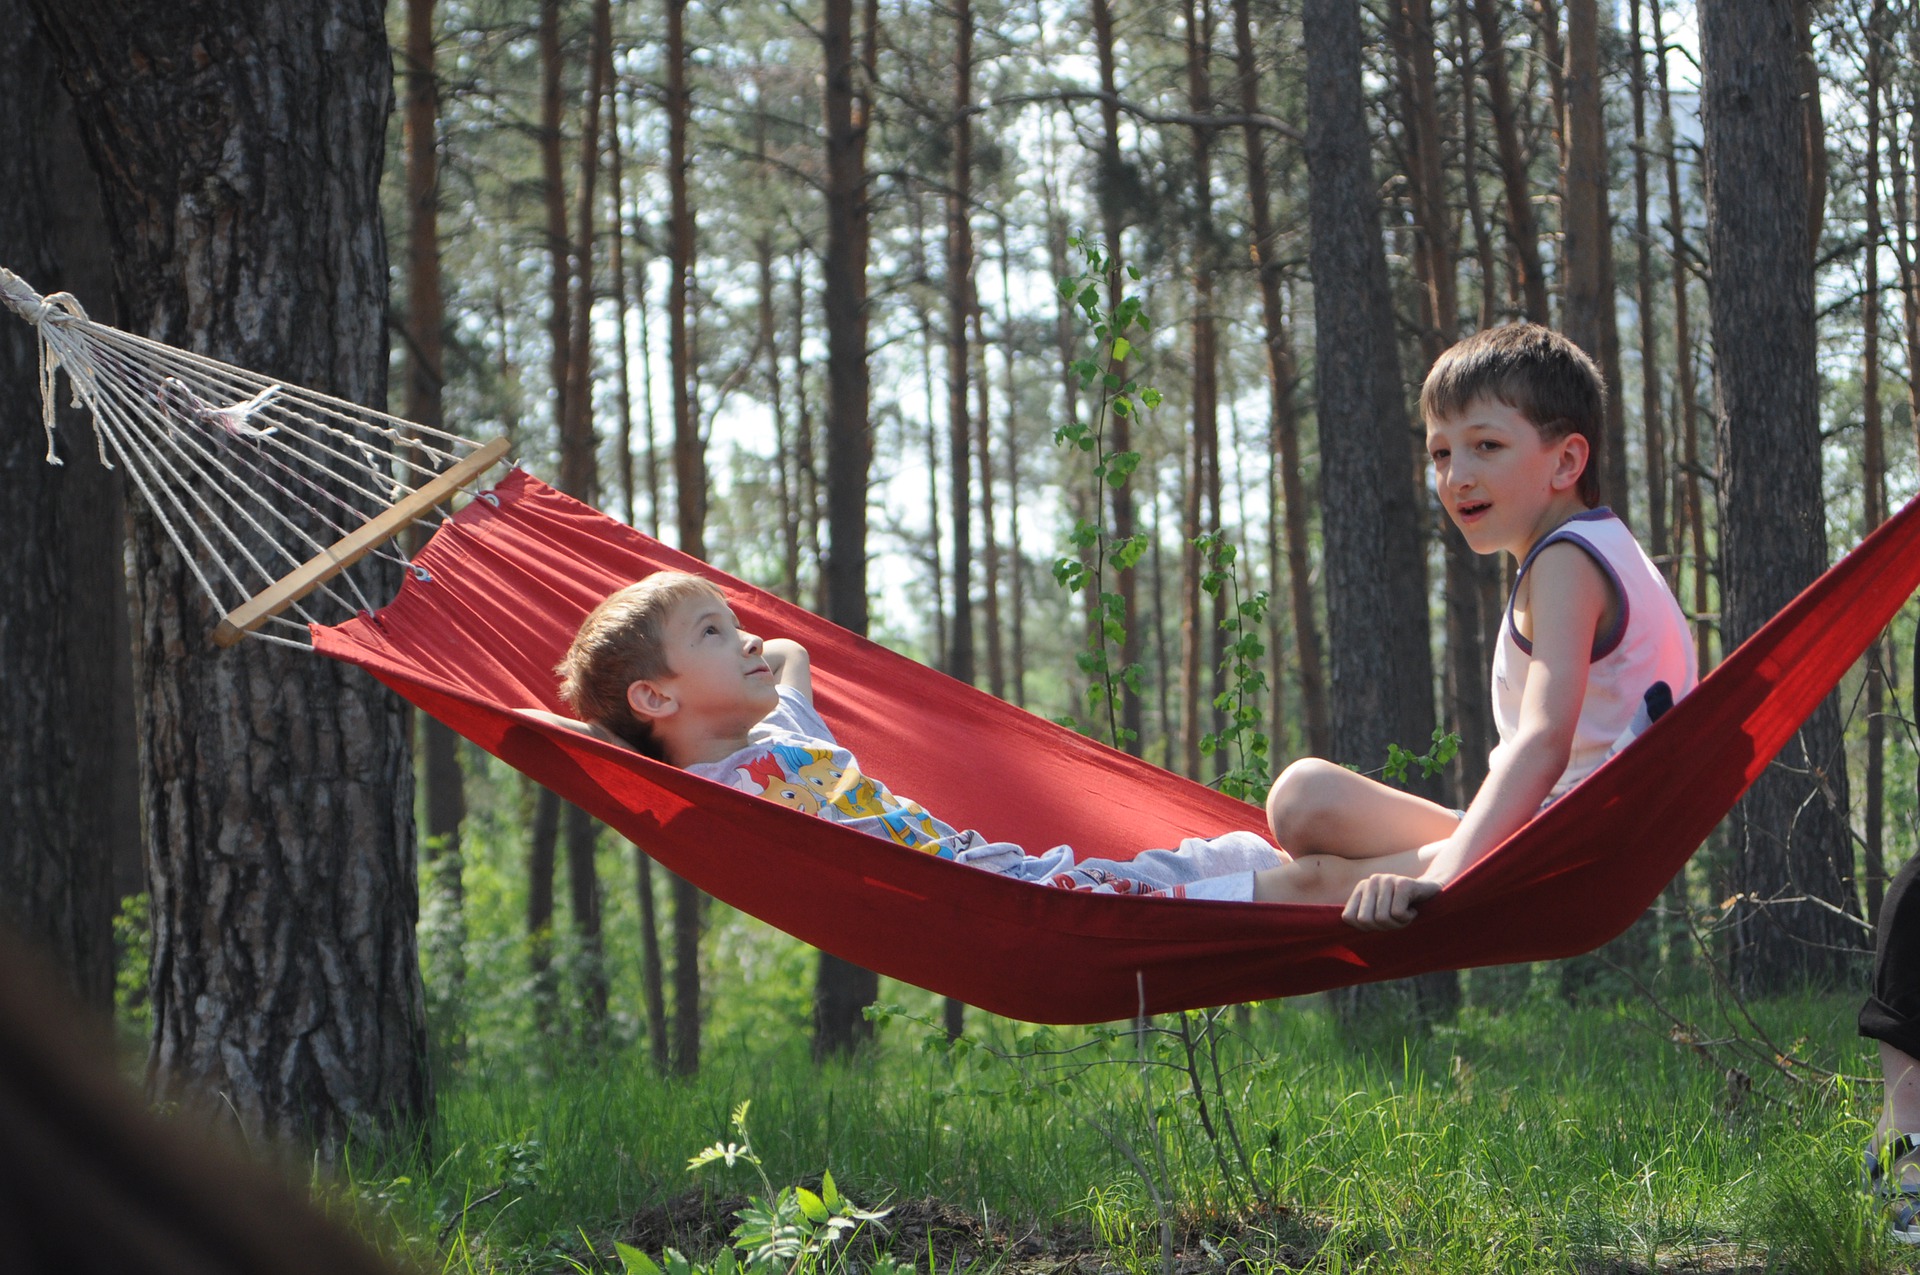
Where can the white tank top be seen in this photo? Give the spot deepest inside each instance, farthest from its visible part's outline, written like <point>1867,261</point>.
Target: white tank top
<point>1649,642</point>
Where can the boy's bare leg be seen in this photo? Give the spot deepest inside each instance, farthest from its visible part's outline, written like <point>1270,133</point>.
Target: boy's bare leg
<point>1318,808</point>
<point>1900,1106</point>
<point>1341,828</point>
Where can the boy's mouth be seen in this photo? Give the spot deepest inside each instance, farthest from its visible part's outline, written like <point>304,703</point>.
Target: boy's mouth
<point>1471,510</point>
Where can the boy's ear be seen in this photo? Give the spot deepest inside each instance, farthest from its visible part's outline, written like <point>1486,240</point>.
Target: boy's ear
<point>649,702</point>
<point>1575,451</point>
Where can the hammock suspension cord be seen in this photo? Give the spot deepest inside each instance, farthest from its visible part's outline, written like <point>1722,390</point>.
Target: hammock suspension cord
<point>269,491</point>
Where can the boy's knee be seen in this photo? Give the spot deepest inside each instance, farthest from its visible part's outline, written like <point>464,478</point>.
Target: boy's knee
<point>1300,801</point>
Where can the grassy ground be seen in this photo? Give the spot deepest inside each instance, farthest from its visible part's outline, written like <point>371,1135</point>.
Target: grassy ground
<point>1536,1139</point>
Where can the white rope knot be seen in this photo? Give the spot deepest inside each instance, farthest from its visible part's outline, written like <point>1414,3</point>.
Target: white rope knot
<point>34,308</point>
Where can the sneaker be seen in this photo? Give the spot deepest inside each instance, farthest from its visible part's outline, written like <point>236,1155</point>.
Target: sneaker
<point>1902,1199</point>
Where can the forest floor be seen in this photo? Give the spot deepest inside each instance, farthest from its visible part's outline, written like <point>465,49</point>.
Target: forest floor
<point>1606,1138</point>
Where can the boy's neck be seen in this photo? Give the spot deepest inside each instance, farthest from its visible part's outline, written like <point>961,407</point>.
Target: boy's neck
<point>697,748</point>
<point>1558,513</point>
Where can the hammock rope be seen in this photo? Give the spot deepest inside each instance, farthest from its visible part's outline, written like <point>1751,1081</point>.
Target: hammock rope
<point>267,490</point>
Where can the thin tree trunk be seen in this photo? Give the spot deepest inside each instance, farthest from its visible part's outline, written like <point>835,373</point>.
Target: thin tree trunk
<point>542,853</point>
<point>843,990</point>
<point>580,476</point>
<point>1686,389</point>
<point>1874,465</point>
<point>1522,226</point>
<point>960,306</point>
<point>689,490</point>
<point>1646,301</point>
<point>1200,662</point>
<point>1792,838</point>
<point>1017,669</point>
<point>1587,309</point>
<point>281,838</point>
<point>1282,376</point>
<point>990,540</point>
<point>1470,163</point>
<point>1114,183</point>
<point>445,796</point>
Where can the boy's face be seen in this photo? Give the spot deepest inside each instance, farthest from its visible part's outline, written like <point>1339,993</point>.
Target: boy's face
<point>1503,484</point>
<point>718,679</point>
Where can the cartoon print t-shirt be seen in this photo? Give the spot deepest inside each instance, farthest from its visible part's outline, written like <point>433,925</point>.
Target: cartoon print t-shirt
<point>794,760</point>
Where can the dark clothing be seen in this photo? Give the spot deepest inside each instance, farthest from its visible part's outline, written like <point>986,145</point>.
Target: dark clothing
<point>1892,1012</point>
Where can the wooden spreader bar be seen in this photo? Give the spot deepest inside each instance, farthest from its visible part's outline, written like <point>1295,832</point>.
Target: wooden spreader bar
<point>353,546</point>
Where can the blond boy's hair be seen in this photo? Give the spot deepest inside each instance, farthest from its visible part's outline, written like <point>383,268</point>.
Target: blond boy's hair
<point>622,642</point>
<point>1538,373</point>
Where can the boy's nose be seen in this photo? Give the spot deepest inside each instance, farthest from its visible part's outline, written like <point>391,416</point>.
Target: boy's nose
<point>751,643</point>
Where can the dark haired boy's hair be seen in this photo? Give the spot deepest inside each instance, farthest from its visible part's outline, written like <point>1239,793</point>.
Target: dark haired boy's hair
<point>1535,371</point>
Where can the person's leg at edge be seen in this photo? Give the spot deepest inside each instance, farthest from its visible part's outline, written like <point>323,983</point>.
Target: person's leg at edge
<point>1342,827</point>
<point>1891,1018</point>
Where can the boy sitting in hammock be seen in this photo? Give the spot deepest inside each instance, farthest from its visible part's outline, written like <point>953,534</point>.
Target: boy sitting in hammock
<point>1513,420</point>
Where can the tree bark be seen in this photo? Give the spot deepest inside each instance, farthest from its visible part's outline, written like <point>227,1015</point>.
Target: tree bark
<point>1200,513</point>
<point>241,147</point>
<point>444,798</point>
<point>842,990</point>
<point>1790,831</point>
<point>1874,467</point>
<point>60,564</point>
<point>1587,311</point>
<point>1522,226</point>
<point>1115,186</point>
<point>960,307</point>
<point>1282,376</point>
<point>543,836</point>
<point>1381,667</point>
<point>689,490</point>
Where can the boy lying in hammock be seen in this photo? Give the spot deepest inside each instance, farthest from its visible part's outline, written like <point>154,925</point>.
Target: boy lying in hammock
<point>663,666</point>
<point>1590,629</point>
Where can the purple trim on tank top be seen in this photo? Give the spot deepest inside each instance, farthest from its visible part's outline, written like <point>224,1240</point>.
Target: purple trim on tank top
<point>1603,645</point>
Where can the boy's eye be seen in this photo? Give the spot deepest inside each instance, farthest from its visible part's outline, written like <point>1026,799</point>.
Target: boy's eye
<point>1440,454</point>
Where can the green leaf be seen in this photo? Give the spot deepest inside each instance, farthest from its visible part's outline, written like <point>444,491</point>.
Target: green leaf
<point>812,1205</point>
<point>1151,397</point>
<point>829,1192</point>
<point>1121,348</point>
<point>635,1262</point>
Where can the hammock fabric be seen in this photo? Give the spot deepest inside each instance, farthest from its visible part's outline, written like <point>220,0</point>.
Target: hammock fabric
<point>512,575</point>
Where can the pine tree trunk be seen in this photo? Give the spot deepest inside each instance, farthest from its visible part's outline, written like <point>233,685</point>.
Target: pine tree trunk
<point>843,990</point>
<point>960,305</point>
<point>1874,467</point>
<point>242,168</point>
<point>1381,667</point>
<point>1114,182</point>
<point>60,563</point>
<point>1790,831</point>
<point>689,489</point>
<point>1587,310</point>
<point>1522,226</point>
<point>444,800</point>
<point>543,836</point>
<point>1282,376</point>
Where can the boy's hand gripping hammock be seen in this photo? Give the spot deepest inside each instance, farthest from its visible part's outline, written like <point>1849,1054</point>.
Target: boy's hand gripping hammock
<point>488,606</point>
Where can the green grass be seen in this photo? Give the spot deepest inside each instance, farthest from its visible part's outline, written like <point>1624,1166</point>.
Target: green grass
<point>1540,1139</point>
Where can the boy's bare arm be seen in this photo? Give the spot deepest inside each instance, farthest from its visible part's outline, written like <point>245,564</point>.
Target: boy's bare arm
<point>593,730</point>
<point>1569,595</point>
<point>790,665</point>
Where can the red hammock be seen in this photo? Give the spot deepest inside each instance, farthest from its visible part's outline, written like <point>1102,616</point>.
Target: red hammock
<point>514,573</point>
